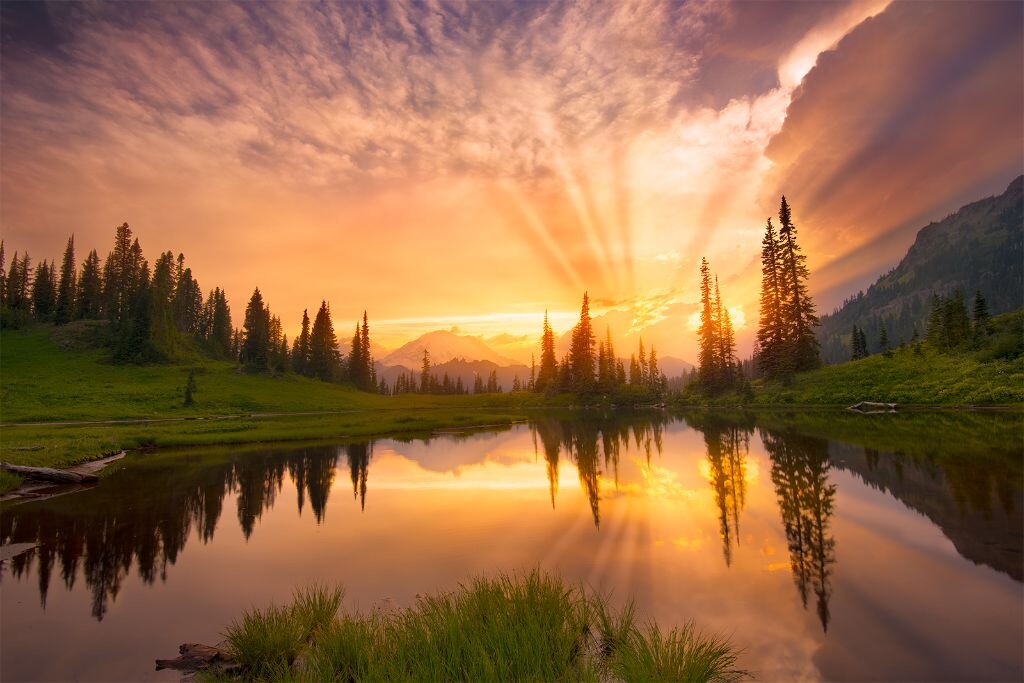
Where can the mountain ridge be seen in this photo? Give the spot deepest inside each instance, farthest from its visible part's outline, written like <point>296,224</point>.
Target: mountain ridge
<point>978,247</point>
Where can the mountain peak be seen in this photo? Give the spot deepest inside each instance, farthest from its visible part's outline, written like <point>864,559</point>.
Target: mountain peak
<point>444,346</point>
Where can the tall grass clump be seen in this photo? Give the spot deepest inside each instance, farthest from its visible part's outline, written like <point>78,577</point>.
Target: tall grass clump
<point>530,627</point>
<point>267,642</point>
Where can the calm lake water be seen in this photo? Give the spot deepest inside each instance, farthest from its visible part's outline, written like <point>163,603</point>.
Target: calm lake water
<point>831,546</point>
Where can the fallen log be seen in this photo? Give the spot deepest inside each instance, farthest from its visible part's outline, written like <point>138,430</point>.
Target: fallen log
<point>873,407</point>
<point>49,474</point>
<point>195,657</point>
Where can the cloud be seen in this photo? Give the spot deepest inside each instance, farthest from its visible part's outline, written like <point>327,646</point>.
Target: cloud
<point>914,113</point>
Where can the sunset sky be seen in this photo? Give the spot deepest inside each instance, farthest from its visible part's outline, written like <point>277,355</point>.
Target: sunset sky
<point>470,164</point>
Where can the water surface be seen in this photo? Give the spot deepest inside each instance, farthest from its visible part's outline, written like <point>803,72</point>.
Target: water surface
<point>828,546</point>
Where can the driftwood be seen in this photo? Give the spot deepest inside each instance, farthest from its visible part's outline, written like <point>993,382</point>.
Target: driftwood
<point>872,407</point>
<point>50,474</point>
<point>198,657</point>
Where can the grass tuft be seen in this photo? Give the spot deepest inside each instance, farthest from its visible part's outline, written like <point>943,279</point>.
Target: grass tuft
<point>527,627</point>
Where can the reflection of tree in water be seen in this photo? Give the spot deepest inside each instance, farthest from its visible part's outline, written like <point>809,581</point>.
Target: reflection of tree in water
<point>727,448</point>
<point>359,465</point>
<point>145,514</point>
<point>800,467</point>
<point>591,443</point>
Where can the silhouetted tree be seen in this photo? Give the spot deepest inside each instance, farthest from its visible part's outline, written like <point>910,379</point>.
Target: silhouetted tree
<point>64,311</point>
<point>548,372</point>
<point>581,352</point>
<point>323,352</point>
<point>255,350</point>
<point>798,309</point>
<point>44,291</point>
<point>300,351</point>
<point>90,288</point>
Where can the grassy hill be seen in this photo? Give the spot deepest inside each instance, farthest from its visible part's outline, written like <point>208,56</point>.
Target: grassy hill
<point>41,381</point>
<point>991,374</point>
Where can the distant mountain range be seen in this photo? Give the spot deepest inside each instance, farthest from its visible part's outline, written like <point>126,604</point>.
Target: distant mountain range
<point>444,346</point>
<point>466,356</point>
<point>980,247</point>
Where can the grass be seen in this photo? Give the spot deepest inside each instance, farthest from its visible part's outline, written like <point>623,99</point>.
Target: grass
<point>507,628</point>
<point>905,377</point>
<point>48,374</point>
<point>45,378</point>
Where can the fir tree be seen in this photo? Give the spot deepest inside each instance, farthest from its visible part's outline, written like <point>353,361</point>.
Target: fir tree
<point>90,288</point>
<point>981,315</point>
<point>772,358</point>
<point>798,309</point>
<point>707,332</point>
<point>581,353</point>
<point>323,351</point>
<point>255,345</point>
<point>44,291</point>
<point>300,353</point>
<point>548,365</point>
<point>883,340</point>
<point>64,310</point>
<point>425,372</point>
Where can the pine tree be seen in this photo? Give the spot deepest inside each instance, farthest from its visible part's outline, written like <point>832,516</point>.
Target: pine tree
<point>707,333</point>
<point>355,353</point>
<point>771,339</point>
<point>188,300</point>
<point>64,310</point>
<point>883,340</point>
<point>581,353</point>
<point>90,288</point>
<point>548,365</point>
<point>255,346</point>
<point>323,351</point>
<point>955,321</point>
<point>981,315</point>
<point>3,277</point>
<point>798,309</point>
<point>122,275</point>
<point>221,339</point>
<point>726,343</point>
<point>300,353</point>
<point>936,335</point>
<point>425,371</point>
<point>653,373</point>
<point>163,337</point>
<point>44,291</point>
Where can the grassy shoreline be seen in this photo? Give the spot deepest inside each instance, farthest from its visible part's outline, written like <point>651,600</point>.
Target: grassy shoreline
<point>50,375</point>
<point>503,628</point>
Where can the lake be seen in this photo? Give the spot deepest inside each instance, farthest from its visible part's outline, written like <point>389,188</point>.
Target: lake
<point>827,545</point>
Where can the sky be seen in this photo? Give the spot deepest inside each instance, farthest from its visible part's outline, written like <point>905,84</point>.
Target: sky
<point>467,166</point>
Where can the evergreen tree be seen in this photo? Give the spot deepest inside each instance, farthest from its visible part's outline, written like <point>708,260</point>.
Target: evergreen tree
<point>772,358</point>
<point>726,343</point>
<point>221,332</point>
<point>798,309</point>
<point>425,372</point>
<point>707,333</point>
<point>323,351</point>
<point>255,345</point>
<point>653,373</point>
<point>65,308</point>
<point>981,315</point>
<point>188,300</point>
<point>955,321</point>
<point>936,335</point>
<point>3,277</point>
<point>581,353</point>
<point>90,288</point>
<point>163,336</point>
<point>548,365</point>
<point>44,291</point>
<point>883,340</point>
<point>122,275</point>
<point>300,352</point>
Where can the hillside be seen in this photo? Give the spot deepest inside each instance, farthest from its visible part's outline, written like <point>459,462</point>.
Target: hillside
<point>980,247</point>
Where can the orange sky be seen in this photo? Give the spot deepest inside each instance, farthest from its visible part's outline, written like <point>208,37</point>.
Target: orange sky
<point>445,165</point>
